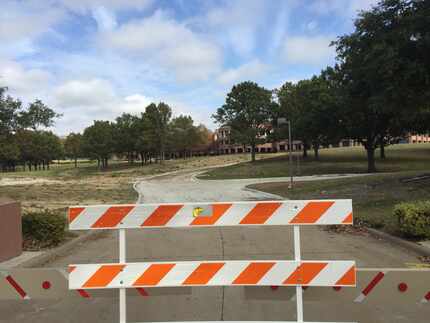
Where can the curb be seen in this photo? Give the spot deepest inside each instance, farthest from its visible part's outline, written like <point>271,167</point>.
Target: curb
<point>50,255</point>
<point>415,247</point>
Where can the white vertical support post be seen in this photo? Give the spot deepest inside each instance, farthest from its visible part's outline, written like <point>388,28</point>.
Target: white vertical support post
<point>299,290</point>
<point>122,291</point>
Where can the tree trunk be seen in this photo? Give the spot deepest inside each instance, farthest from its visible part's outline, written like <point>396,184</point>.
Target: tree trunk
<point>382,148</point>
<point>76,162</point>
<point>141,159</point>
<point>253,152</point>
<point>305,151</point>
<point>316,152</point>
<point>371,168</point>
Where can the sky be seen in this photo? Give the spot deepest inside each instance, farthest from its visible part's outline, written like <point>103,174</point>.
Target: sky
<point>96,59</point>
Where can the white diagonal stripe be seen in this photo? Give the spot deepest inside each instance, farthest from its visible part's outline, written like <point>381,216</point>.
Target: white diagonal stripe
<point>336,213</point>
<point>88,217</point>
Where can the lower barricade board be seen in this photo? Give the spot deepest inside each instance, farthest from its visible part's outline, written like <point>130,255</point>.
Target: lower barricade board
<point>394,287</point>
<point>213,273</point>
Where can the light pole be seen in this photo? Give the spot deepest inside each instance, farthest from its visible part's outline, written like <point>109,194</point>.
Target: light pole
<point>290,146</point>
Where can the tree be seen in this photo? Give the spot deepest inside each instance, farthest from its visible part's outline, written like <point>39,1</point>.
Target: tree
<point>98,141</point>
<point>37,114</point>
<point>247,111</point>
<point>9,153</point>
<point>73,146</point>
<point>9,111</point>
<point>156,119</point>
<point>311,107</point>
<point>384,70</point>
<point>184,135</point>
<point>49,148</point>
<point>126,135</point>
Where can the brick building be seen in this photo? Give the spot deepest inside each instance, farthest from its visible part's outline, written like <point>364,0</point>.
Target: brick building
<point>224,145</point>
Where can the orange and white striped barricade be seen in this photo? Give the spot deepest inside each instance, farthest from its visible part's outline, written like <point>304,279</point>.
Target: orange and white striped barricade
<point>176,215</point>
<point>297,273</point>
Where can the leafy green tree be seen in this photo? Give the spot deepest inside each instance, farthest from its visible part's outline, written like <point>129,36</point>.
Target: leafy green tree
<point>247,111</point>
<point>312,109</point>
<point>184,135</point>
<point>49,148</point>
<point>37,115</point>
<point>73,147</point>
<point>156,121</point>
<point>126,134</point>
<point>9,111</point>
<point>9,153</point>
<point>384,70</point>
<point>98,142</point>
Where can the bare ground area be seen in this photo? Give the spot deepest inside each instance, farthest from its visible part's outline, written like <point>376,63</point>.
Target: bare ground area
<point>64,185</point>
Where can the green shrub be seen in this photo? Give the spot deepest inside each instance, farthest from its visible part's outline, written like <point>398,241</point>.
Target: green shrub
<point>43,229</point>
<point>414,218</point>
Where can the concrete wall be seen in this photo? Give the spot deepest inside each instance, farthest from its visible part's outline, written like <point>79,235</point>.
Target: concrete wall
<point>10,229</point>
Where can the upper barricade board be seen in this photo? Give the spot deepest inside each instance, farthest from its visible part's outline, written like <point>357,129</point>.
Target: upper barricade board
<point>289,212</point>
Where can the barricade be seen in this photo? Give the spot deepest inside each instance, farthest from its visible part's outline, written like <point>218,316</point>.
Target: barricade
<point>298,273</point>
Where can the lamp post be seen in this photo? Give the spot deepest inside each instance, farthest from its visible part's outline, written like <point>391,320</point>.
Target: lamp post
<point>290,145</point>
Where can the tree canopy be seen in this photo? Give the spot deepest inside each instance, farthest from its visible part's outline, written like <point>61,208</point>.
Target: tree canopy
<point>247,111</point>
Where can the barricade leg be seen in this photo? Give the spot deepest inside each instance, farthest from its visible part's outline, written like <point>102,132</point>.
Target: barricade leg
<point>122,291</point>
<point>299,290</point>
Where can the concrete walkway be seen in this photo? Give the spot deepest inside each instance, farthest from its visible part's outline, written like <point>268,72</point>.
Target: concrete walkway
<point>213,243</point>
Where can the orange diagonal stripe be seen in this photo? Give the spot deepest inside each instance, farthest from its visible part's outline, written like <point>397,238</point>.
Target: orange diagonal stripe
<point>203,273</point>
<point>304,274</point>
<point>253,273</point>
<point>112,216</point>
<point>312,212</point>
<point>348,219</point>
<point>161,215</point>
<point>260,213</point>
<point>74,212</point>
<point>218,211</point>
<point>348,278</point>
<point>103,276</point>
<point>153,275</point>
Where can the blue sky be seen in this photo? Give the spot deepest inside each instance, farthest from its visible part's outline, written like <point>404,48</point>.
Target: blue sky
<point>95,59</point>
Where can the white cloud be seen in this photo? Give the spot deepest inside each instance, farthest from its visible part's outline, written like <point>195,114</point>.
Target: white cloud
<point>82,6</point>
<point>105,19</point>
<point>313,50</point>
<point>93,94</point>
<point>237,23</point>
<point>245,72</point>
<point>312,25</point>
<point>168,43</point>
<point>347,9</point>
<point>21,81</point>
<point>25,22</point>
<point>135,103</point>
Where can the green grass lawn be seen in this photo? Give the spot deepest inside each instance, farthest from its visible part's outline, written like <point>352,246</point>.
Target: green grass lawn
<point>402,157</point>
<point>373,196</point>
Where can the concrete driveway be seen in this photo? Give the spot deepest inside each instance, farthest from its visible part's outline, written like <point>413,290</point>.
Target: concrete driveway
<point>215,243</point>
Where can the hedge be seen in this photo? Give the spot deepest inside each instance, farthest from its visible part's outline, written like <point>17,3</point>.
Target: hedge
<point>43,229</point>
<point>414,219</point>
